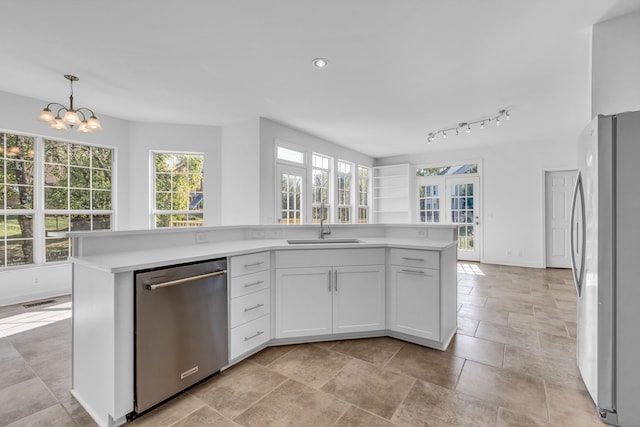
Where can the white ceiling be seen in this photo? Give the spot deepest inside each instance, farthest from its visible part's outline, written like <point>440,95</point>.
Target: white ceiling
<point>398,69</point>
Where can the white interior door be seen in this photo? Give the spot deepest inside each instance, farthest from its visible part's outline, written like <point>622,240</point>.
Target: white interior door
<point>289,200</point>
<point>453,200</point>
<point>558,192</point>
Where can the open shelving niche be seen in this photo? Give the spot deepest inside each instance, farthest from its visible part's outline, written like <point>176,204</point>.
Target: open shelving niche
<point>391,201</point>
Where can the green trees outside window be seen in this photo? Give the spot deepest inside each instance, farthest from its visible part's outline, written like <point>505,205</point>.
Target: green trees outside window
<point>74,193</point>
<point>178,190</point>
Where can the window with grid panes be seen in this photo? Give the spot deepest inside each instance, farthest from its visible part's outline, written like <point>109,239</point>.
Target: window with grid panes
<point>72,193</point>
<point>77,192</point>
<point>17,211</point>
<point>178,190</point>
<point>344,179</point>
<point>429,203</point>
<point>363,194</point>
<point>320,187</point>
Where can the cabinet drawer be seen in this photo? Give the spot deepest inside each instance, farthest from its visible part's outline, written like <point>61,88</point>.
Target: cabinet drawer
<point>249,336</point>
<point>249,283</point>
<point>328,257</point>
<point>415,258</point>
<point>249,307</point>
<point>250,263</point>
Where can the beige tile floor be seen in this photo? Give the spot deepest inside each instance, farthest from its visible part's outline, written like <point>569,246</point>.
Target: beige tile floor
<point>511,364</point>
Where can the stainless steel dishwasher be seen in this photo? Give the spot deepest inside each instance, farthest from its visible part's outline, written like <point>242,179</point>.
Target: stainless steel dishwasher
<point>181,329</point>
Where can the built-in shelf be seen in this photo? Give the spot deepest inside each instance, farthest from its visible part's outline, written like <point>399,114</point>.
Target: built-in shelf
<point>391,194</point>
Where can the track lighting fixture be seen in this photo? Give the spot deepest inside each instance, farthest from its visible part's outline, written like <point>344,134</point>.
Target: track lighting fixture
<point>502,113</point>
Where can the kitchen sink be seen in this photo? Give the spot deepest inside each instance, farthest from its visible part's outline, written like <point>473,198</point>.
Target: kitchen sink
<point>314,241</point>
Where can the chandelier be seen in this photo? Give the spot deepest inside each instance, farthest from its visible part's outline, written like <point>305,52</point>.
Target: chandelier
<point>72,117</point>
<point>467,125</point>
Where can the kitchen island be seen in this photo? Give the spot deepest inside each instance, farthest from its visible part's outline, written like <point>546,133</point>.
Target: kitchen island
<point>368,280</point>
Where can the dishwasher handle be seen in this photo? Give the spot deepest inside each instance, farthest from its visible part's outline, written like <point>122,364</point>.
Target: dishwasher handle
<point>161,285</point>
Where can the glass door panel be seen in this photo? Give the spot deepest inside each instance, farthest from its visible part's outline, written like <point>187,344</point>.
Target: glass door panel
<point>290,203</point>
<point>452,200</point>
<point>429,201</point>
<point>464,212</point>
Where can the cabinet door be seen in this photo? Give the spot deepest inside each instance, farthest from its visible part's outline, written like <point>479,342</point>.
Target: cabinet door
<point>303,301</point>
<point>415,302</point>
<point>358,298</point>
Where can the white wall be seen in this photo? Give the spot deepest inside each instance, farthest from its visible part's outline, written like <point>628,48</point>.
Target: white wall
<point>512,212</point>
<point>616,65</point>
<point>270,131</point>
<point>18,284</point>
<point>240,170</point>
<point>148,137</point>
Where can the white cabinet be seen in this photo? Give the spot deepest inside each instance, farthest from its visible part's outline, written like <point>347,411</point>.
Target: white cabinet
<point>358,298</point>
<point>336,291</point>
<point>303,302</point>
<point>249,302</point>
<point>415,293</point>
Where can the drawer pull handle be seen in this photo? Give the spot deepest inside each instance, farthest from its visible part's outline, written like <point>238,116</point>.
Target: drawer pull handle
<point>412,259</point>
<point>257,334</point>
<point>420,272</point>
<point>256,283</point>
<point>253,308</point>
<point>254,264</point>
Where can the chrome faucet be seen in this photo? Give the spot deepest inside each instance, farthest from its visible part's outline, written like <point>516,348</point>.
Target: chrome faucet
<point>323,232</point>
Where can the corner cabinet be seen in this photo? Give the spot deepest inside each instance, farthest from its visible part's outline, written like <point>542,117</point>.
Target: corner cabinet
<point>422,298</point>
<point>329,292</point>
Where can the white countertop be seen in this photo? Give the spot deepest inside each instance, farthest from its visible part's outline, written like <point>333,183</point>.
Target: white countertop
<point>126,261</point>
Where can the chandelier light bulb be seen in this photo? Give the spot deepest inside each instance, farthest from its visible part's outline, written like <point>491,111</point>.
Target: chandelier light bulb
<point>482,125</point>
<point>71,118</point>
<point>46,116</point>
<point>93,123</point>
<point>58,124</point>
<point>444,135</point>
<point>457,133</point>
<point>468,128</point>
<point>507,115</point>
<point>497,121</point>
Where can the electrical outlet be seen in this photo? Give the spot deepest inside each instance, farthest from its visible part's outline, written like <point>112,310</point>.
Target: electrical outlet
<point>274,233</point>
<point>258,234</point>
<point>202,237</point>
<point>422,233</point>
<point>509,253</point>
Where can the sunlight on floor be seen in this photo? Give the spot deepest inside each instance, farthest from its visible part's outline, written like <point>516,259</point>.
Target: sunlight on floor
<point>474,269</point>
<point>34,319</point>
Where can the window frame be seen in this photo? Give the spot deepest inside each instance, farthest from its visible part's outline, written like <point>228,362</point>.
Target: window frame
<point>39,212</point>
<point>359,206</point>
<point>329,188</point>
<point>153,191</point>
<point>347,205</point>
<point>308,191</point>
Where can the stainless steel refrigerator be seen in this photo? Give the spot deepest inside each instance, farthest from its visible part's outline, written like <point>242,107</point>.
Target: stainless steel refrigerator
<point>605,248</point>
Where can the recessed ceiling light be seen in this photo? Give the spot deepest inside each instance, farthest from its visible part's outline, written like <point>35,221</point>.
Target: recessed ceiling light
<point>320,62</point>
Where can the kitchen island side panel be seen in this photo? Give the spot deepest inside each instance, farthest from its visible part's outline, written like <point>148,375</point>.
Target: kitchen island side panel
<point>98,343</point>
<point>448,294</point>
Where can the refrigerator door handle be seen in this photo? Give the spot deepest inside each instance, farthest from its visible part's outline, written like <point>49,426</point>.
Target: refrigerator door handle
<point>578,193</point>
